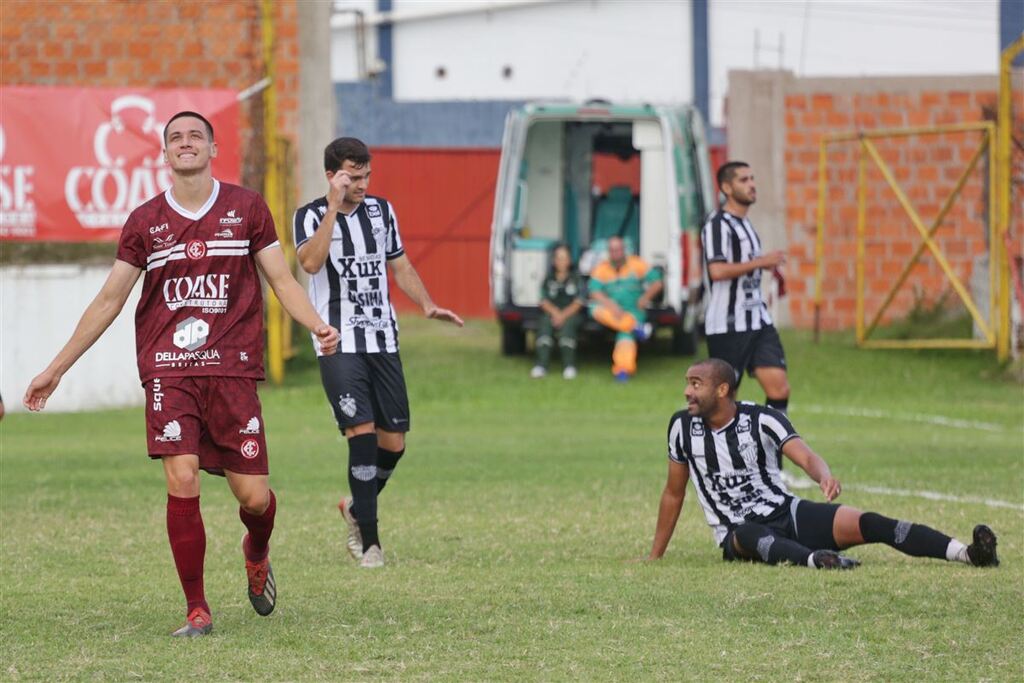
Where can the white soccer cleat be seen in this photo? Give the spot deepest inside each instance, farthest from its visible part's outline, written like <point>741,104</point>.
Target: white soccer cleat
<point>355,538</point>
<point>569,373</point>
<point>537,372</point>
<point>373,558</point>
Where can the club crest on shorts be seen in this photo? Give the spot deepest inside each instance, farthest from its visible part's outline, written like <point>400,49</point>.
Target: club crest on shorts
<point>347,405</point>
<point>250,448</point>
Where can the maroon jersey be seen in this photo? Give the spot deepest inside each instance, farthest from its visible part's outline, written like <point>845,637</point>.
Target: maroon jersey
<point>201,311</point>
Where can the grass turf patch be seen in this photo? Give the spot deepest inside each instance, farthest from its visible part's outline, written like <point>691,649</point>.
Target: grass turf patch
<point>510,530</point>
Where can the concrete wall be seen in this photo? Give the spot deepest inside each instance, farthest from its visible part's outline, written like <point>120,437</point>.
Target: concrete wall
<point>39,309</point>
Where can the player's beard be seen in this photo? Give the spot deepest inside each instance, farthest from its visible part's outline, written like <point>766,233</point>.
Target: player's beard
<point>744,200</point>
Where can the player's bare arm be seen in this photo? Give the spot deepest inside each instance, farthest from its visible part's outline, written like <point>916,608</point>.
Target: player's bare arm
<point>669,508</point>
<point>816,468</point>
<point>97,318</point>
<point>409,280</point>
<point>720,270</point>
<point>294,299</point>
<point>313,253</point>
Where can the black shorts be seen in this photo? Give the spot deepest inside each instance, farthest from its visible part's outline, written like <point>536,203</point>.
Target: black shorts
<point>748,350</point>
<point>804,521</point>
<point>366,387</point>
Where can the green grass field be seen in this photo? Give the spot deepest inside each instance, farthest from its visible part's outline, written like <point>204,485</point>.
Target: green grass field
<point>510,530</point>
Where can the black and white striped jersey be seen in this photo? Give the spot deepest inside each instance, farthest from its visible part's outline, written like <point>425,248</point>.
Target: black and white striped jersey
<point>351,290</point>
<point>732,305</point>
<point>736,469</point>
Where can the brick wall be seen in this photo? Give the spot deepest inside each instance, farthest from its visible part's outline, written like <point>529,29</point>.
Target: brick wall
<point>126,43</point>
<point>926,167</point>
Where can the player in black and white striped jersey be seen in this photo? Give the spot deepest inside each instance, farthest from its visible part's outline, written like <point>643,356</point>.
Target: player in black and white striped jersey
<point>732,452</point>
<point>349,285</point>
<point>737,324</point>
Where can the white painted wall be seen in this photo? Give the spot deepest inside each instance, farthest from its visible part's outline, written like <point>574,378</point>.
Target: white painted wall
<point>39,308</point>
<point>627,50</point>
<point>640,50</point>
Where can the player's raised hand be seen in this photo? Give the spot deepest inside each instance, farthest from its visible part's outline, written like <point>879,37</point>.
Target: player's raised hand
<point>328,338</point>
<point>830,487</point>
<point>435,313</point>
<point>337,186</point>
<point>44,384</point>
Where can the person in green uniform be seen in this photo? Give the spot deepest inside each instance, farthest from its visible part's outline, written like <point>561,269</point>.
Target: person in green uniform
<point>621,289</point>
<point>561,300</point>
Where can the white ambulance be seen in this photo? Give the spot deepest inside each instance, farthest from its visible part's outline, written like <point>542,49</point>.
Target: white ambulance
<point>580,174</point>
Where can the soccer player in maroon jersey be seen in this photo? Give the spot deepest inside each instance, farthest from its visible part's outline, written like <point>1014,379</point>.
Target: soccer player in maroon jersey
<point>199,339</point>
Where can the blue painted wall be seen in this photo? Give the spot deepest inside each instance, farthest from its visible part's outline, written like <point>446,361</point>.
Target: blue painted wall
<point>366,111</point>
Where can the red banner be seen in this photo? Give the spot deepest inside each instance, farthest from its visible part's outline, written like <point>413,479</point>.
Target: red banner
<point>74,162</point>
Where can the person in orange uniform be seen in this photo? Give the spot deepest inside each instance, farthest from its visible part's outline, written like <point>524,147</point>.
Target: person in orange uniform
<point>621,289</point>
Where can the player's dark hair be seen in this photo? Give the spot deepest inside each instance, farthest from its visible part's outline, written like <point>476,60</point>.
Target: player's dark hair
<point>721,373</point>
<point>183,114</point>
<point>345,149</point>
<point>727,171</point>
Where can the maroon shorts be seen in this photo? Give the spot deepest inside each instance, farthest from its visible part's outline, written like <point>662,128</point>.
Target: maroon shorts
<point>217,418</point>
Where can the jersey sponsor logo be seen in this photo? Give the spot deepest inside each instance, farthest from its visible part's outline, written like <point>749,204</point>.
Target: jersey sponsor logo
<point>253,427</point>
<point>250,449</point>
<point>743,425</point>
<point>231,218</point>
<point>154,229</point>
<point>101,196</point>
<point>172,432</point>
<point>721,482</point>
<point>164,242</point>
<point>208,292</point>
<point>226,234</point>
<point>186,359</point>
<point>158,396</point>
<point>17,208</point>
<point>361,266</point>
<point>364,322</point>
<point>696,428</point>
<point>347,404</point>
<point>369,299</point>
<point>196,249</point>
<point>191,333</point>
<point>373,211</point>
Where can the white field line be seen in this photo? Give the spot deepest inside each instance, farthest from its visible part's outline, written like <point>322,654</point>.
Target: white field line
<point>800,482</point>
<point>940,420</point>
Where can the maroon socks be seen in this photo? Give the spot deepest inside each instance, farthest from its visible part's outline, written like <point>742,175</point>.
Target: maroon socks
<point>188,545</point>
<point>260,527</point>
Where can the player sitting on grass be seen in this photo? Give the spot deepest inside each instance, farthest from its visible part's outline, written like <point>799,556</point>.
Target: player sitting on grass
<point>734,451</point>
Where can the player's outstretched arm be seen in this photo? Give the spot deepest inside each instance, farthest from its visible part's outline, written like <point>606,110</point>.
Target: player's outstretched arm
<point>813,464</point>
<point>94,322</point>
<point>671,504</point>
<point>289,292</point>
<point>409,280</point>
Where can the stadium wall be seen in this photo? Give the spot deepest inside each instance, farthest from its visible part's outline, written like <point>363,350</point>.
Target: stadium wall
<point>785,158</point>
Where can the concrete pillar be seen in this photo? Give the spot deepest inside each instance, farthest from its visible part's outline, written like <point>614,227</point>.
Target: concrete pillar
<point>756,129</point>
<point>316,97</point>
